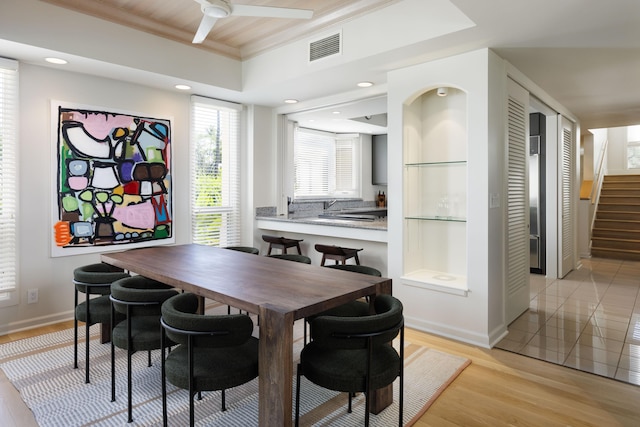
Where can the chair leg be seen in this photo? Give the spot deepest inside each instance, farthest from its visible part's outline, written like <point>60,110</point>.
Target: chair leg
<point>129,406</point>
<point>86,340</point>
<point>149,359</point>
<point>224,401</point>
<point>298,395</point>
<point>163,374</point>
<point>75,332</point>
<point>305,332</point>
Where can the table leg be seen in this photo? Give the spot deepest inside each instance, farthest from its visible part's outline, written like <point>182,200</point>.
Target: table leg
<point>275,368</point>
<point>105,332</point>
<point>382,397</point>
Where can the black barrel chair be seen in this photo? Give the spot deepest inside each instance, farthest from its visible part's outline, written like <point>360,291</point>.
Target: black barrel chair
<point>350,309</point>
<point>353,354</point>
<point>92,279</point>
<point>247,249</point>
<point>215,352</point>
<point>292,257</point>
<point>140,300</point>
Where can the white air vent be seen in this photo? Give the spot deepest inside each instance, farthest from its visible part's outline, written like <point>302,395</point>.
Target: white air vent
<point>325,47</point>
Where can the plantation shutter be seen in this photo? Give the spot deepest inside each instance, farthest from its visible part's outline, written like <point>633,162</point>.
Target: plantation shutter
<point>8,179</point>
<point>567,193</point>
<point>325,164</point>
<point>215,172</point>
<point>312,154</point>
<point>345,162</point>
<point>517,263</point>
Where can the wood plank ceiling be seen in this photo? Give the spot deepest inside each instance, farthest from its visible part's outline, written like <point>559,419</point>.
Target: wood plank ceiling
<point>235,36</point>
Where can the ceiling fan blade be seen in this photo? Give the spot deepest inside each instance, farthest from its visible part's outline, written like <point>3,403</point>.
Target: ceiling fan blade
<point>270,12</point>
<point>205,27</point>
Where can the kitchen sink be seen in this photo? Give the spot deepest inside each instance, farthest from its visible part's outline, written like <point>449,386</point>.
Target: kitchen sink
<point>355,214</point>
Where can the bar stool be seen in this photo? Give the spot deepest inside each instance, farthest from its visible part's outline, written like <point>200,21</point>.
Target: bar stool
<point>93,279</point>
<point>337,253</point>
<point>282,243</point>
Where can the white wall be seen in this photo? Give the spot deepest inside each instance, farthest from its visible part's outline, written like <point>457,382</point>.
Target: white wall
<point>617,151</point>
<point>477,317</point>
<point>52,276</point>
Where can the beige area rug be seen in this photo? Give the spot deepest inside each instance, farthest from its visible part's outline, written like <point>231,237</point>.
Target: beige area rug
<point>41,370</point>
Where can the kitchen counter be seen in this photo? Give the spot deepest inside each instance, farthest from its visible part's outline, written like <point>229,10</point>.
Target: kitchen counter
<point>375,231</point>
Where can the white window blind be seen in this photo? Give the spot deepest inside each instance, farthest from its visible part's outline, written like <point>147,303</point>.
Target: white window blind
<point>215,176</point>
<point>8,180</point>
<point>325,164</point>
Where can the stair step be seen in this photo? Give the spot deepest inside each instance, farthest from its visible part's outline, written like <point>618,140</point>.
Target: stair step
<point>621,200</point>
<point>614,224</point>
<point>615,234</point>
<point>615,254</point>
<point>614,243</point>
<point>620,192</point>
<point>615,207</point>
<point>628,177</point>
<point>618,215</point>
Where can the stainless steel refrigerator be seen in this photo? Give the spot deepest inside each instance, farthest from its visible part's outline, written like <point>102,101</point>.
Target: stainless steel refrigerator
<point>537,231</point>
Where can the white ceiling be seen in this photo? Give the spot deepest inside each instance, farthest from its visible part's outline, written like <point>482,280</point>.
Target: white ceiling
<point>584,53</point>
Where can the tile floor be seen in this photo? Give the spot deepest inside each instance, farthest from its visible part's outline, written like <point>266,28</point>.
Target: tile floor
<point>590,320</point>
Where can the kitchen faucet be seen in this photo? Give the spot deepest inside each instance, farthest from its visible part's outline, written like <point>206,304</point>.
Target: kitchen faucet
<point>328,204</point>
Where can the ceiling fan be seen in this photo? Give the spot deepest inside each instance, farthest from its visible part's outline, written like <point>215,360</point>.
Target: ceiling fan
<point>217,9</point>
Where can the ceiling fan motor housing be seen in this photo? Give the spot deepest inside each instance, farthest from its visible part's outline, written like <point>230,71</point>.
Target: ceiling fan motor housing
<point>216,9</point>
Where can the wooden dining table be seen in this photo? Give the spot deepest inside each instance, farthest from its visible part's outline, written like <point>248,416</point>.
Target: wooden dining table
<point>279,291</point>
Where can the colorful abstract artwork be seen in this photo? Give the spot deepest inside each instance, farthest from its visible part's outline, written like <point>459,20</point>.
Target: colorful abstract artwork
<point>113,179</point>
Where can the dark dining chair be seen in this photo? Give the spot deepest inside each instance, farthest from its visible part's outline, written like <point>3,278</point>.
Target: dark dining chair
<point>337,253</point>
<point>292,257</point>
<point>140,300</point>
<point>246,249</point>
<point>214,352</point>
<point>353,354</point>
<point>92,279</point>
<point>352,308</point>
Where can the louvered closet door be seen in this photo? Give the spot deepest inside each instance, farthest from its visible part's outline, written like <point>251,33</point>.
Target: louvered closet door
<point>517,251</point>
<point>567,191</point>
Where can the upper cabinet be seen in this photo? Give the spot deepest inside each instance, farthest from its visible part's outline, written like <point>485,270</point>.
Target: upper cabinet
<point>435,189</point>
<point>379,160</point>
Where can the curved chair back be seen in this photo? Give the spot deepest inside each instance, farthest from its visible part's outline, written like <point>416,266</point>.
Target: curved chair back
<point>352,332</point>
<point>93,279</point>
<point>247,249</point>
<point>352,354</point>
<point>144,296</point>
<point>292,257</point>
<point>180,319</point>
<point>363,269</point>
<point>96,278</point>
<point>140,300</point>
<point>226,355</point>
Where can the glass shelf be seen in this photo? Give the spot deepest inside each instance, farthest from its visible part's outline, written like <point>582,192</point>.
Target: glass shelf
<point>422,164</point>
<point>437,218</point>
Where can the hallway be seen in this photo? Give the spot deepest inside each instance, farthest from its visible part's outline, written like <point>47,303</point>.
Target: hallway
<point>590,320</point>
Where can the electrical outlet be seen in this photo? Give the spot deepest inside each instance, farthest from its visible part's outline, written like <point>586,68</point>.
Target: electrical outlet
<point>32,296</point>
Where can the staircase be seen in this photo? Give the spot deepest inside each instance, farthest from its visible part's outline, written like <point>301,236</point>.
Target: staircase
<point>616,229</point>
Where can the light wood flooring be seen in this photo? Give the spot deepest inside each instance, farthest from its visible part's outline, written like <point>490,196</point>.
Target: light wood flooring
<point>499,388</point>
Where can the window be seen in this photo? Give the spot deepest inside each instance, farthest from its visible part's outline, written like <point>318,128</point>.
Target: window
<point>215,189</point>
<point>326,165</point>
<point>8,182</point>
<point>633,147</point>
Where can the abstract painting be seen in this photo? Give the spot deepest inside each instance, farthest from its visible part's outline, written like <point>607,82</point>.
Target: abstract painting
<point>113,180</point>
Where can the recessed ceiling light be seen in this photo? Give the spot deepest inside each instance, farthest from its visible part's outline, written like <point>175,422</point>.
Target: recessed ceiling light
<point>290,101</point>
<point>336,112</point>
<point>365,84</point>
<point>183,87</point>
<point>58,61</point>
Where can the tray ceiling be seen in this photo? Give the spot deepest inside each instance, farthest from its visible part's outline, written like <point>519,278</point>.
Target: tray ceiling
<point>235,36</point>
